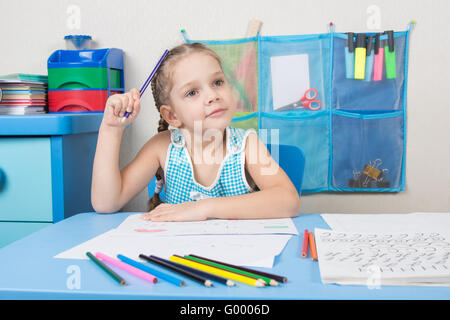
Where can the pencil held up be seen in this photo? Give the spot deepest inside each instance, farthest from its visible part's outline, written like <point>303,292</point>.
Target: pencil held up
<point>149,79</point>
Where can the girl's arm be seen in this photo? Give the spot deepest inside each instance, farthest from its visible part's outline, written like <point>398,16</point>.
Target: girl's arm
<point>277,197</point>
<point>112,188</point>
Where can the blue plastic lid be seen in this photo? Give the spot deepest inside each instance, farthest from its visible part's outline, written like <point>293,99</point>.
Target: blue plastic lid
<point>98,58</point>
<point>77,37</point>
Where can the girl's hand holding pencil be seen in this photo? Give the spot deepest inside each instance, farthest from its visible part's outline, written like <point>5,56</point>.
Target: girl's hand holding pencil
<point>122,109</point>
<point>118,104</point>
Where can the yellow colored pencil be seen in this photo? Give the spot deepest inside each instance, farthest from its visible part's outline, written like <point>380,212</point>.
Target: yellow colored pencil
<point>218,272</point>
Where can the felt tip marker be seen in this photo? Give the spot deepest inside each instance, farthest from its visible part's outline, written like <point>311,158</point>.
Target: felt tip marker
<point>360,56</point>
<point>378,59</point>
<point>350,56</point>
<point>369,59</point>
<point>389,56</point>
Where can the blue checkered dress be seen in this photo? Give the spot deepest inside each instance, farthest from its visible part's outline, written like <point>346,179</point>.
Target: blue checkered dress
<point>180,185</point>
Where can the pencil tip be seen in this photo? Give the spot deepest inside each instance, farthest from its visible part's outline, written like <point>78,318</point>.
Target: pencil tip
<point>273,283</point>
<point>262,281</point>
<point>208,283</point>
<point>230,283</point>
<point>260,284</point>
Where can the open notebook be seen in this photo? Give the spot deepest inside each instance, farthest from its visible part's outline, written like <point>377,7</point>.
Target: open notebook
<point>407,252</point>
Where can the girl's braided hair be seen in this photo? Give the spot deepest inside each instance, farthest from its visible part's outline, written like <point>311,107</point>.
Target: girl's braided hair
<point>162,85</point>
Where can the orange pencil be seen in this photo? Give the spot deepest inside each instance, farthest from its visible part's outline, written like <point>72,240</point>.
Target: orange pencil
<point>305,244</point>
<point>312,246</point>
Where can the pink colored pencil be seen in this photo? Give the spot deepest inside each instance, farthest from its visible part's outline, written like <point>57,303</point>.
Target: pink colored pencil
<point>126,267</point>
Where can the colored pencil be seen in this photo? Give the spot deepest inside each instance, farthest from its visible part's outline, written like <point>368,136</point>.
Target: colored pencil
<point>312,246</point>
<point>245,273</point>
<point>305,244</point>
<point>107,269</point>
<point>218,271</point>
<point>207,275</point>
<point>126,267</point>
<point>193,276</point>
<point>150,77</point>
<point>152,271</point>
<point>265,274</point>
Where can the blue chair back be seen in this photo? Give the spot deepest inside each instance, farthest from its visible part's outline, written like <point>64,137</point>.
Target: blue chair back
<point>289,158</point>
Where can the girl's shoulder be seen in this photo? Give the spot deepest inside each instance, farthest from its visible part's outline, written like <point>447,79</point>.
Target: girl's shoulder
<point>242,139</point>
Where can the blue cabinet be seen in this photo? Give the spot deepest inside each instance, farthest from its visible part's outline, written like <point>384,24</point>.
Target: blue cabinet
<point>45,170</point>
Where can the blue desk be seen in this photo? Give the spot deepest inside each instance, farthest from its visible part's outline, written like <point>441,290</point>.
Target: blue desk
<point>29,271</point>
<point>45,170</point>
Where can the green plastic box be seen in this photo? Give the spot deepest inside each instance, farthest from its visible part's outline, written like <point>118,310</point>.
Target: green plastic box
<point>83,78</point>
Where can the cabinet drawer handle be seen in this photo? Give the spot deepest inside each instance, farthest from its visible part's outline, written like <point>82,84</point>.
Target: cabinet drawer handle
<point>2,179</point>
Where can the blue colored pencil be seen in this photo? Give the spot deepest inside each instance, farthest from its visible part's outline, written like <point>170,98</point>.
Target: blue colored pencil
<point>152,271</point>
<point>149,79</point>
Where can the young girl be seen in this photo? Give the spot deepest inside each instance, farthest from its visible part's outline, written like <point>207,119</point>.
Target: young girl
<point>209,169</point>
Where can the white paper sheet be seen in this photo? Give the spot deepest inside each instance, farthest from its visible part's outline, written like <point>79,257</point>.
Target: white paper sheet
<point>290,79</point>
<point>390,222</point>
<point>383,258</point>
<point>244,250</point>
<point>133,224</point>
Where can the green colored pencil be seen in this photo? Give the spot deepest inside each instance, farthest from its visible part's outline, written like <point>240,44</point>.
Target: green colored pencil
<point>217,265</point>
<point>107,269</point>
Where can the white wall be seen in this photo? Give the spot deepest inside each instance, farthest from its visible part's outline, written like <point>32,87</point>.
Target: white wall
<point>32,30</point>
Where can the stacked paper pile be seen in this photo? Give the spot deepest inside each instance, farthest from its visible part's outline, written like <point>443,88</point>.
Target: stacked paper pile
<point>23,94</point>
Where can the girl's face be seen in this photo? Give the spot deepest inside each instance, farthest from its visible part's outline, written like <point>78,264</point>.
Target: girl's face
<point>200,93</point>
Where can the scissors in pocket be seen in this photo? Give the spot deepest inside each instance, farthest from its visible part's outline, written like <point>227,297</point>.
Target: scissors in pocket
<point>309,100</point>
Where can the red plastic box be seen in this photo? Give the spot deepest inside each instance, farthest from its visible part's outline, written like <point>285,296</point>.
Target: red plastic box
<point>77,100</point>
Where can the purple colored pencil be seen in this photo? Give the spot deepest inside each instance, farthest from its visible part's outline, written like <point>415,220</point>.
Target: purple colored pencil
<point>150,77</point>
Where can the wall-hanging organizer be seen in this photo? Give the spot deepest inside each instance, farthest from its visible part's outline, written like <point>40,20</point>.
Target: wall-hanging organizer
<point>339,97</point>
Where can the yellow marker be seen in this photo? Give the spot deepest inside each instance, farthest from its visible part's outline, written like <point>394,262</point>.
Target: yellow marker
<point>218,272</point>
<point>360,56</point>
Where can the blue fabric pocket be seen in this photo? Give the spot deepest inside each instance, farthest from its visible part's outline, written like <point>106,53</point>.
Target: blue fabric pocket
<point>368,95</point>
<point>310,133</point>
<point>368,152</point>
<point>306,54</point>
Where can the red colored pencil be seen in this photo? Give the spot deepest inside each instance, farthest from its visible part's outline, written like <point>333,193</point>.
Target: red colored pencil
<point>305,244</point>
